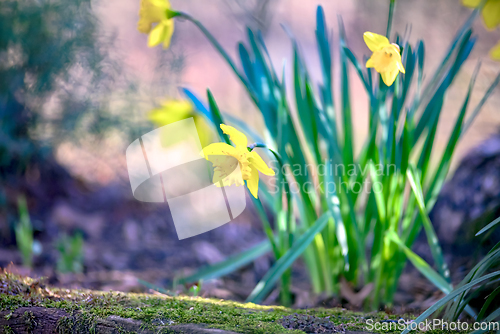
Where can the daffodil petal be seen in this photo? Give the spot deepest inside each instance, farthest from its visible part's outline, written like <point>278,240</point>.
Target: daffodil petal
<point>225,181</point>
<point>161,117</point>
<point>180,107</point>
<point>238,138</point>
<point>253,182</point>
<point>144,26</point>
<point>161,3</point>
<point>495,52</point>
<point>217,178</point>
<point>375,42</point>
<point>471,3</point>
<point>157,35</point>
<point>257,162</point>
<point>204,130</point>
<point>400,66</point>
<point>370,63</point>
<point>218,149</point>
<point>169,24</point>
<point>151,11</point>
<point>171,111</point>
<point>389,76</point>
<point>491,14</point>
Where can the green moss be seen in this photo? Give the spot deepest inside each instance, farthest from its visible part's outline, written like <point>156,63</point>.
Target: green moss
<point>29,321</point>
<point>7,330</point>
<point>65,325</point>
<point>85,307</point>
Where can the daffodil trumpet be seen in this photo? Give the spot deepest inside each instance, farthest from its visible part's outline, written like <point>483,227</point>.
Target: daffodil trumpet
<point>225,158</point>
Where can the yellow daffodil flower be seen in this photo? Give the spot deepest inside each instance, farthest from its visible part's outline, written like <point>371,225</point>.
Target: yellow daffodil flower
<point>250,162</point>
<point>495,52</point>
<point>175,110</point>
<point>156,11</point>
<point>386,58</point>
<point>491,18</point>
<point>490,12</point>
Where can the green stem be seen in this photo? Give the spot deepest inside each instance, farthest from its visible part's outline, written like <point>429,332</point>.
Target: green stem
<point>285,295</point>
<point>283,228</point>
<point>220,49</point>
<point>378,281</point>
<point>392,4</point>
<point>267,226</point>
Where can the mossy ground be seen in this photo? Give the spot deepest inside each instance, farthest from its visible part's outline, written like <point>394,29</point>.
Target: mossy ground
<point>160,310</point>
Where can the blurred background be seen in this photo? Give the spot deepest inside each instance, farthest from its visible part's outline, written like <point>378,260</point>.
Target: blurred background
<point>77,84</point>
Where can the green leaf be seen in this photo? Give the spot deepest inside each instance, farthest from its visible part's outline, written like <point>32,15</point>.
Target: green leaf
<point>304,109</point>
<point>199,106</point>
<point>348,53</point>
<point>487,227</point>
<point>229,265</point>
<point>221,51</point>
<point>434,106</point>
<point>450,297</point>
<point>432,239</point>
<point>421,265</point>
<point>247,64</point>
<point>479,106</point>
<point>217,117</point>
<point>151,286</point>
<point>272,276</point>
<point>348,145</point>
<point>484,308</point>
<point>265,224</point>
<point>333,205</point>
<point>323,39</point>
<point>444,165</point>
<point>459,37</point>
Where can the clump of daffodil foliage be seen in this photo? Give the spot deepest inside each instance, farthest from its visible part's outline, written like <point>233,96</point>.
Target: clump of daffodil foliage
<point>352,217</point>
